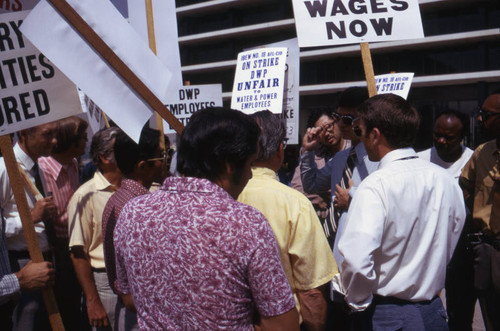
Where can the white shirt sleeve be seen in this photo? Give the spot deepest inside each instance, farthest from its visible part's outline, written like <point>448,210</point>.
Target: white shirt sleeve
<point>362,236</point>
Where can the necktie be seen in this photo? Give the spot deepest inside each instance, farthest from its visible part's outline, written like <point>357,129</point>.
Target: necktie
<point>344,181</point>
<point>38,180</point>
<point>49,227</point>
<point>495,208</point>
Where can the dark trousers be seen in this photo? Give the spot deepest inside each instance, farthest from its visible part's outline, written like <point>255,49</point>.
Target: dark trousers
<point>67,290</point>
<point>460,293</point>
<point>487,283</point>
<point>391,315</point>
<point>29,312</point>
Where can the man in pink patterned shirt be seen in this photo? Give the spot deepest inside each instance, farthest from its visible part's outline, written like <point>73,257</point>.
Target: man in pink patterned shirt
<point>193,257</point>
<point>141,165</point>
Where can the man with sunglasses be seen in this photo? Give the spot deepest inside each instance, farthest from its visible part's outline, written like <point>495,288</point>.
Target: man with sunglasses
<point>480,182</point>
<point>330,142</point>
<point>141,165</point>
<point>330,176</point>
<point>402,227</point>
<point>334,175</point>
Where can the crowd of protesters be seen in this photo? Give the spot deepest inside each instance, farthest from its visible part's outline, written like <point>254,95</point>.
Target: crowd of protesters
<point>367,237</point>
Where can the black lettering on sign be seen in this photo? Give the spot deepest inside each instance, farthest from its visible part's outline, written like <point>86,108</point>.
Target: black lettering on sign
<point>400,5</point>
<point>361,9</point>
<point>316,8</point>
<point>339,8</point>
<point>359,28</point>
<point>10,36</point>
<point>339,31</point>
<point>16,109</point>
<point>189,94</point>
<point>44,62</point>
<point>382,25</point>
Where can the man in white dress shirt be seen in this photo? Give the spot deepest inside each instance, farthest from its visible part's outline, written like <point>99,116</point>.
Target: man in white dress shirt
<point>402,226</point>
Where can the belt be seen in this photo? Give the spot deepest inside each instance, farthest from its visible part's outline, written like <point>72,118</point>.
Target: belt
<point>481,238</point>
<point>98,269</point>
<point>47,256</point>
<point>381,300</point>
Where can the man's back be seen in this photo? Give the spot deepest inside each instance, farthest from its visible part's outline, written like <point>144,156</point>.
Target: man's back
<point>197,259</point>
<point>402,228</point>
<point>305,254</point>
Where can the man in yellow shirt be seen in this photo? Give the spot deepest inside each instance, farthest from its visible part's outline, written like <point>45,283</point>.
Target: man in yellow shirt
<point>306,257</point>
<point>85,231</point>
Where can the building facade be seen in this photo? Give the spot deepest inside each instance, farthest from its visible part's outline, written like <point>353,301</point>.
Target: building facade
<point>456,65</point>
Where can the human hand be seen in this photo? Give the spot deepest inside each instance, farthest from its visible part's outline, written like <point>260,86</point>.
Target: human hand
<point>342,197</point>
<point>36,275</point>
<point>44,209</point>
<point>97,313</point>
<point>311,139</point>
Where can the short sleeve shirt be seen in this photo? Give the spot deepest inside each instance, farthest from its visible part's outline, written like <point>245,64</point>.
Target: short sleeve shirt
<point>193,258</point>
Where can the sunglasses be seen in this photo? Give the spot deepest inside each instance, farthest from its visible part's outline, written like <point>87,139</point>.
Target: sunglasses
<point>346,119</point>
<point>357,131</point>
<point>164,156</point>
<point>484,114</point>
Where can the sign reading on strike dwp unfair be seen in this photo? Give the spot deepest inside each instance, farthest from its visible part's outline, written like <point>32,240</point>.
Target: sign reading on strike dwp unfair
<point>337,22</point>
<point>32,90</point>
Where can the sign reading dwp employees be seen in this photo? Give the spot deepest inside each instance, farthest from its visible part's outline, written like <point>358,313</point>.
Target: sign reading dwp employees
<point>336,22</point>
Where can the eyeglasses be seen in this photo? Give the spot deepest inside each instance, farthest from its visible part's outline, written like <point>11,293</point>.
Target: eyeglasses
<point>346,119</point>
<point>328,126</point>
<point>484,114</point>
<point>164,156</point>
<point>357,131</point>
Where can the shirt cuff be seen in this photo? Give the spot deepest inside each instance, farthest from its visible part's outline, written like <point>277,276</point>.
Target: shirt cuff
<point>10,285</point>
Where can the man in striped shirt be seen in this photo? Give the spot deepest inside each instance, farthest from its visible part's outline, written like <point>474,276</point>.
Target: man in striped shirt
<point>60,171</point>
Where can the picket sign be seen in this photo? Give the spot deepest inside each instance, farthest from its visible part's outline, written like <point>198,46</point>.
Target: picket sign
<point>341,22</point>
<point>75,20</point>
<point>17,183</point>
<point>152,45</point>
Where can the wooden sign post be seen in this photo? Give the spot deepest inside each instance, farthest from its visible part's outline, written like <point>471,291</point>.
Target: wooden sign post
<point>152,45</point>
<point>368,66</point>
<point>106,53</point>
<point>17,184</point>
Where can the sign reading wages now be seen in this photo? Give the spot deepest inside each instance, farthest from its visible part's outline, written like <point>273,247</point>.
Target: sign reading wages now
<point>336,22</point>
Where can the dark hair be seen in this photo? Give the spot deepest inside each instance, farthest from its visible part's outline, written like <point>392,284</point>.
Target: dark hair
<point>128,153</point>
<point>316,113</point>
<point>69,132</point>
<point>213,137</point>
<point>393,116</point>
<point>102,145</point>
<point>272,133</point>
<point>463,118</point>
<point>352,97</point>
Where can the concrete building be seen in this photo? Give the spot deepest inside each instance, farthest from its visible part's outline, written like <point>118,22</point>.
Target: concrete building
<point>456,65</point>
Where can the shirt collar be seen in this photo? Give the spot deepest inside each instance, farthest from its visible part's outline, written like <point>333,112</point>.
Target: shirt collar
<point>397,154</point>
<point>22,158</point>
<point>101,183</point>
<point>192,184</point>
<point>263,172</point>
<point>133,186</point>
<point>54,167</point>
<point>360,150</point>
